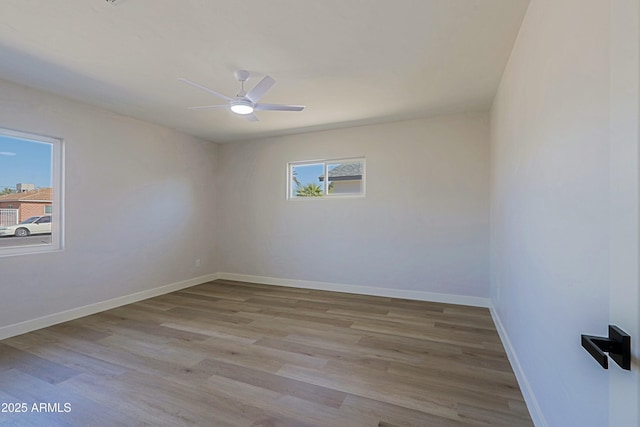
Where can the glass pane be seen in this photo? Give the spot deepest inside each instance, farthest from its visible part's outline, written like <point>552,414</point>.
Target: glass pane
<point>346,177</point>
<point>307,180</point>
<point>25,189</point>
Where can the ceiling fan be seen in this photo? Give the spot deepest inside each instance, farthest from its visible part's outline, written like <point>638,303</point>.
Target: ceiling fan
<point>244,103</point>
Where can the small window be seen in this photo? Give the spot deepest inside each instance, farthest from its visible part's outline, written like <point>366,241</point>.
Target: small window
<point>31,174</point>
<point>44,220</point>
<point>326,178</point>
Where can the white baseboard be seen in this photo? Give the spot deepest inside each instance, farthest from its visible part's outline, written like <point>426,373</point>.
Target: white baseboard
<point>358,289</point>
<point>527,392</point>
<point>75,313</point>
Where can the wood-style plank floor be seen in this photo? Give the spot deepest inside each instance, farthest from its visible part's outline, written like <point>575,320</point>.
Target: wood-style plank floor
<point>238,354</point>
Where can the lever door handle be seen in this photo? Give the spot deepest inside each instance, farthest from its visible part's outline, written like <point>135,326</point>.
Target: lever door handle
<point>618,345</point>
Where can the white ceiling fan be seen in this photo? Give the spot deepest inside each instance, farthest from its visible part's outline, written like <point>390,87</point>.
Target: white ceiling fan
<point>244,103</point>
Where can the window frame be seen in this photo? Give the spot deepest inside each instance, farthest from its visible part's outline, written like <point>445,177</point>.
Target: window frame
<point>57,202</point>
<point>326,162</point>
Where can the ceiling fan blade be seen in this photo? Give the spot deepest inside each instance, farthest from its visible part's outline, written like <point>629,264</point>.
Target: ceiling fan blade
<point>252,118</point>
<point>278,107</point>
<point>260,89</point>
<point>208,107</point>
<point>206,89</point>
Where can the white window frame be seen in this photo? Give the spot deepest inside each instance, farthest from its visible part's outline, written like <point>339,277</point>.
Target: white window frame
<point>57,202</point>
<point>326,162</point>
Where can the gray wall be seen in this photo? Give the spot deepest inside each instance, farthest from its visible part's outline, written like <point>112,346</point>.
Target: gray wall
<point>423,225</point>
<point>550,206</point>
<point>140,208</point>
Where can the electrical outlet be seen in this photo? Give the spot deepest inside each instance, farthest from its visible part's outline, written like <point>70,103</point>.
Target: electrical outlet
<point>198,263</point>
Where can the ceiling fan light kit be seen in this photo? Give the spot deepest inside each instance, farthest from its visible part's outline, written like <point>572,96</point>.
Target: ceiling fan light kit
<point>244,103</point>
<point>241,106</point>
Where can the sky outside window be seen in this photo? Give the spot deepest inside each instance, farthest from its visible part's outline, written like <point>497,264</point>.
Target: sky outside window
<point>308,174</point>
<point>24,161</point>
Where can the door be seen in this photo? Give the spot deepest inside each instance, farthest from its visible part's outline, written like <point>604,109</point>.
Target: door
<point>624,288</point>
<point>43,225</point>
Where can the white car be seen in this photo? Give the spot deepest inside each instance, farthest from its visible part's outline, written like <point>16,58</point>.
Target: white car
<point>33,225</point>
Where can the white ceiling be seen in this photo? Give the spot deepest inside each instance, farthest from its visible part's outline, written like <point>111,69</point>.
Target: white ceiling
<point>349,61</point>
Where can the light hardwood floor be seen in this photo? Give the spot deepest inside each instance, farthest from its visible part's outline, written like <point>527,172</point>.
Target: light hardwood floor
<point>238,354</point>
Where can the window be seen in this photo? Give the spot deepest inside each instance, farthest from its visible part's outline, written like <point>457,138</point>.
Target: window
<point>44,220</point>
<point>326,178</point>
<point>31,193</point>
